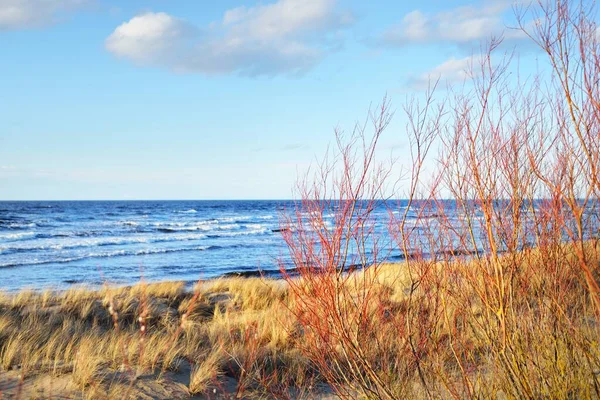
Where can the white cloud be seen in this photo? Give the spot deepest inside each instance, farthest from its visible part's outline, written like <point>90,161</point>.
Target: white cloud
<point>23,14</point>
<point>459,25</point>
<point>147,37</point>
<point>288,36</point>
<point>449,72</point>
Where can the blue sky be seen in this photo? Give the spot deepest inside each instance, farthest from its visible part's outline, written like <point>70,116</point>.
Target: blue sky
<point>157,99</point>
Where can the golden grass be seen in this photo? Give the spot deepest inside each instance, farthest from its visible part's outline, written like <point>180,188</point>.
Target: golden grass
<point>96,336</point>
<point>243,329</point>
<point>206,371</point>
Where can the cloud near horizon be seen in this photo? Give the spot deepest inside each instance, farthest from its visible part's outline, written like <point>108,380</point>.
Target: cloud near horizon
<point>26,14</point>
<point>284,37</point>
<point>452,71</point>
<point>461,25</point>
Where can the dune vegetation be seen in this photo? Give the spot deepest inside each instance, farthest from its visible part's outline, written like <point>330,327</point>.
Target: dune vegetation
<point>244,337</point>
<point>497,294</point>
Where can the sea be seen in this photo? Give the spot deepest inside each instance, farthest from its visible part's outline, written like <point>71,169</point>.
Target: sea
<point>61,243</point>
<point>57,244</point>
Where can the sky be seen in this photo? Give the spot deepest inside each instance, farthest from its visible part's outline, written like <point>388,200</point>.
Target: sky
<point>157,99</point>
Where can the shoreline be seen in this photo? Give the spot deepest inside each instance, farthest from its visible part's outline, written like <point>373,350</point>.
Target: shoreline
<point>224,311</point>
<point>246,336</point>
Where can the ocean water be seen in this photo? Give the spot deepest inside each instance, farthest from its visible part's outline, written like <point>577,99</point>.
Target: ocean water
<point>58,244</point>
<point>55,244</point>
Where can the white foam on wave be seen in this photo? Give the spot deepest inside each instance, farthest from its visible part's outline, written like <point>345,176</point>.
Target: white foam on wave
<point>245,233</point>
<point>227,227</point>
<point>254,226</point>
<point>234,219</point>
<point>142,252</point>
<point>211,225</point>
<point>168,224</point>
<point>53,244</point>
<point>190,211</point>
<point>15,225</point>
<point>117,253</point>
<point>172,224</point>
<point>16,236</point>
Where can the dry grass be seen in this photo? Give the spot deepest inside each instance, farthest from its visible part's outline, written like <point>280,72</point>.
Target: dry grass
<point>243,331</point>
<point>108,338</point>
